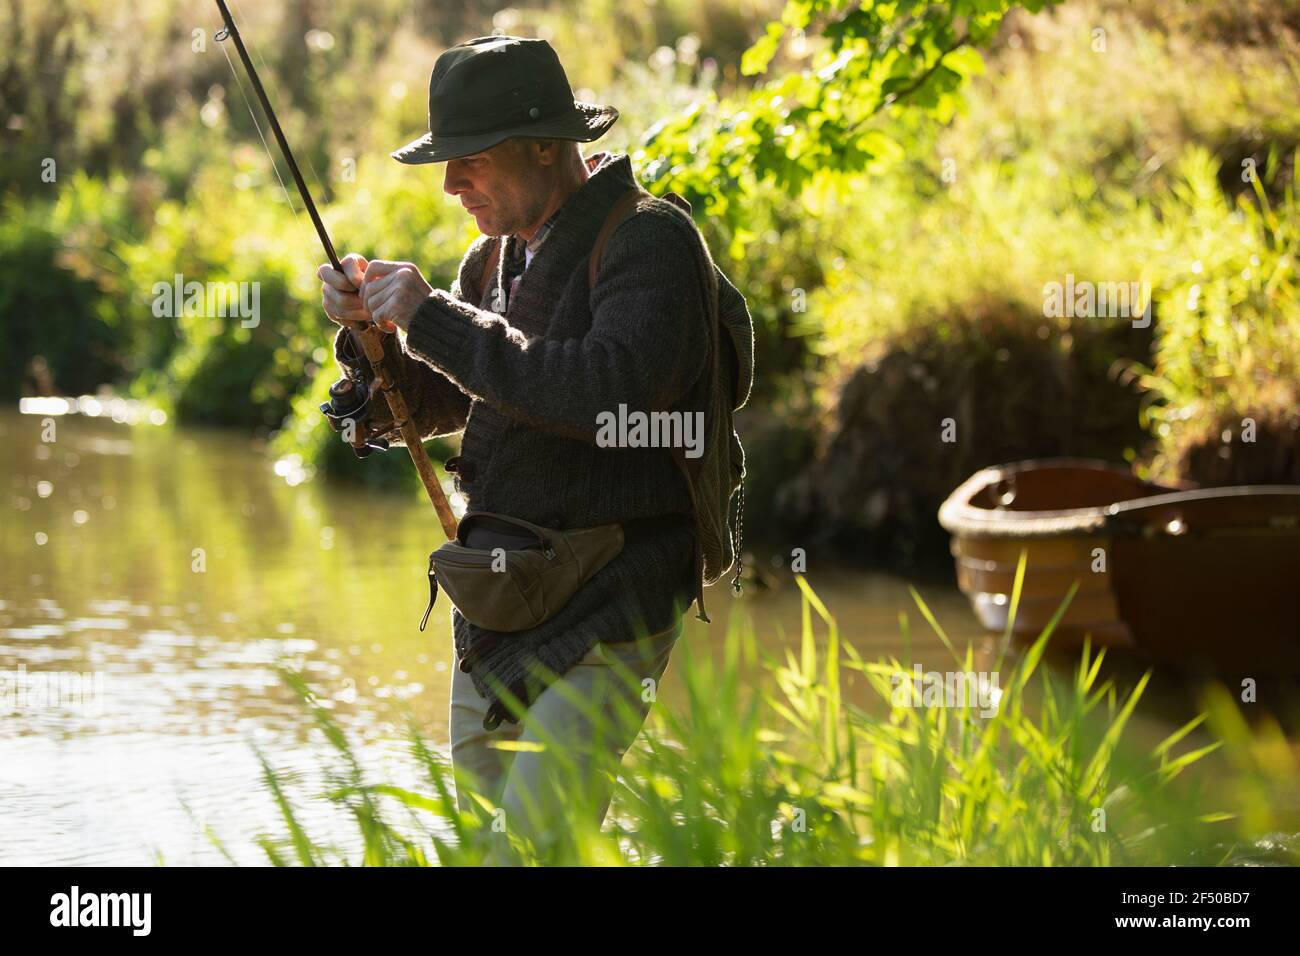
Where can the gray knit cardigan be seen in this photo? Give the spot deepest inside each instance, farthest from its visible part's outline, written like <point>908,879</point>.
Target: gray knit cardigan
<point>526,389</point>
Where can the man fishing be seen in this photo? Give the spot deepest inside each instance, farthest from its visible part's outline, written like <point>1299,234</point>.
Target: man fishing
<point>523,356</point>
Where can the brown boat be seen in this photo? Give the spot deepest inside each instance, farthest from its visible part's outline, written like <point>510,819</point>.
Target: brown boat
<point>1204,578</point>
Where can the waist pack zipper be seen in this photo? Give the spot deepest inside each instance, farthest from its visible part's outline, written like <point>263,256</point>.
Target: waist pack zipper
<point>477,561</point>
<point>433,594</point>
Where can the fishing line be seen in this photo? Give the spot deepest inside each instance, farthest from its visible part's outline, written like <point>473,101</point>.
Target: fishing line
<point>320,183</point>
<point>257,126</point>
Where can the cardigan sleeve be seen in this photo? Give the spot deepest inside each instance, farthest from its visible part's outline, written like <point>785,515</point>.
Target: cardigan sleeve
<point>437,405</point>
<point>646,346</point>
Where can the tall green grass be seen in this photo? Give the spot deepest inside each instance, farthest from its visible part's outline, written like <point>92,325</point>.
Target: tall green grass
<point>1230,322</point>
<point>787,770</point>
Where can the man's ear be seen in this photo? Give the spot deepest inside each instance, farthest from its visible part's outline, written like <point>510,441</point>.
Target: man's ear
<point>546,152</point>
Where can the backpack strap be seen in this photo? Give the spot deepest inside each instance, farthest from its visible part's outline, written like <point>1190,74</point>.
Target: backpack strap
<point>489,269</point>
<point>621,209</point>
<point>679,202</point>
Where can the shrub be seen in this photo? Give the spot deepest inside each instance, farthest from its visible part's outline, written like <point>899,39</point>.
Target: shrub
<point>66,329</point>
<point>1228,349</point>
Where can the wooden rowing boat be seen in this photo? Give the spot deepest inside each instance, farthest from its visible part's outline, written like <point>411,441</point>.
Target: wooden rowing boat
<point>1203,578</point>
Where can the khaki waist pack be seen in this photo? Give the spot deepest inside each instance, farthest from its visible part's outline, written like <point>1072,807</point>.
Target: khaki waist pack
<point>519,574</point>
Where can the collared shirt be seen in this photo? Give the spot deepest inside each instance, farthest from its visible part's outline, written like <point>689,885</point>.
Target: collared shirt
<point>531,247</point>
<point>535,243</point>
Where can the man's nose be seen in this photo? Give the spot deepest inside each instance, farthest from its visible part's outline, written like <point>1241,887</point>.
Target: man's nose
<point>453,182</point>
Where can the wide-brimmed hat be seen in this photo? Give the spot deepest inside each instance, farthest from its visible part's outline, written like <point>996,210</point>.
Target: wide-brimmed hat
<point>490,89</point>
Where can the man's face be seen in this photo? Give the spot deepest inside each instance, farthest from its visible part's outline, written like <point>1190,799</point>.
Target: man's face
<point>503,188</point>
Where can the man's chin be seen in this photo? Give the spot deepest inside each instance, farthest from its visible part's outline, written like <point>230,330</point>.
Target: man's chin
<point>483,221</point>
<point>488,228</point>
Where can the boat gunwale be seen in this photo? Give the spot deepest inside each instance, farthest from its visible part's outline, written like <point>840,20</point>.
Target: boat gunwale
<point>958,516</point>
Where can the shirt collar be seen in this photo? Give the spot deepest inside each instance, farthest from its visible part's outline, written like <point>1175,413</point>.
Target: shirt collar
<point>594,162</point>
<point>535,243</point>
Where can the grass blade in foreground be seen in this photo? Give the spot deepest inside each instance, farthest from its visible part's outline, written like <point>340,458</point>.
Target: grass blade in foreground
<point>790,771</point>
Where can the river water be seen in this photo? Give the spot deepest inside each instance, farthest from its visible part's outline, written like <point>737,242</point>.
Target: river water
<point>163,573</point>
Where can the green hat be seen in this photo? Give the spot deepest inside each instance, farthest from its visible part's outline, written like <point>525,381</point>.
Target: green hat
<point>490,89</point>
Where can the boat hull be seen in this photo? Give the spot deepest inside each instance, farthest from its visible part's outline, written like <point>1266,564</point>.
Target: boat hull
<point>1202,579</point>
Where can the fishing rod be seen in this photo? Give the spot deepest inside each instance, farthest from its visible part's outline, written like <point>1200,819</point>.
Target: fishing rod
<point>350,397</point>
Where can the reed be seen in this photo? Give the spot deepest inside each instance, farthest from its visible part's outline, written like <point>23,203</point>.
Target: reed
<point>786,770</point>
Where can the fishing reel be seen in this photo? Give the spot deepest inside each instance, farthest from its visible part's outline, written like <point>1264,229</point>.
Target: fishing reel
<point>349,411</point>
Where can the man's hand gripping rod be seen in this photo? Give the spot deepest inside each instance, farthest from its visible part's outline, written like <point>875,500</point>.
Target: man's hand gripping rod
<point>370,338</point>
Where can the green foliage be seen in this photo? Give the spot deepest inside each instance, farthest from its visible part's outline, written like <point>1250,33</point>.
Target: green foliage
<point>815,152</point>
<point>98,84</point>
<point>204,201</point>
<point>869,59</point>
<point>234,368</point>
<point>793,774</point>
<point>63,323</point>
<point>935,271</point>
<point>1229,343</point>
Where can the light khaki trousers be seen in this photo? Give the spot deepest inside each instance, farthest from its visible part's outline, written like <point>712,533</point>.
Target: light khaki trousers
<point>592,714</point>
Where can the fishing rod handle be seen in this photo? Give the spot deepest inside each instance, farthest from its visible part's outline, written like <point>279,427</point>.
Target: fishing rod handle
<point>372,344</point>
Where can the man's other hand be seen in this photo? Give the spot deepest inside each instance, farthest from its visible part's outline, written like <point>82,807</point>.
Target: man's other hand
<point>392,291</point>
